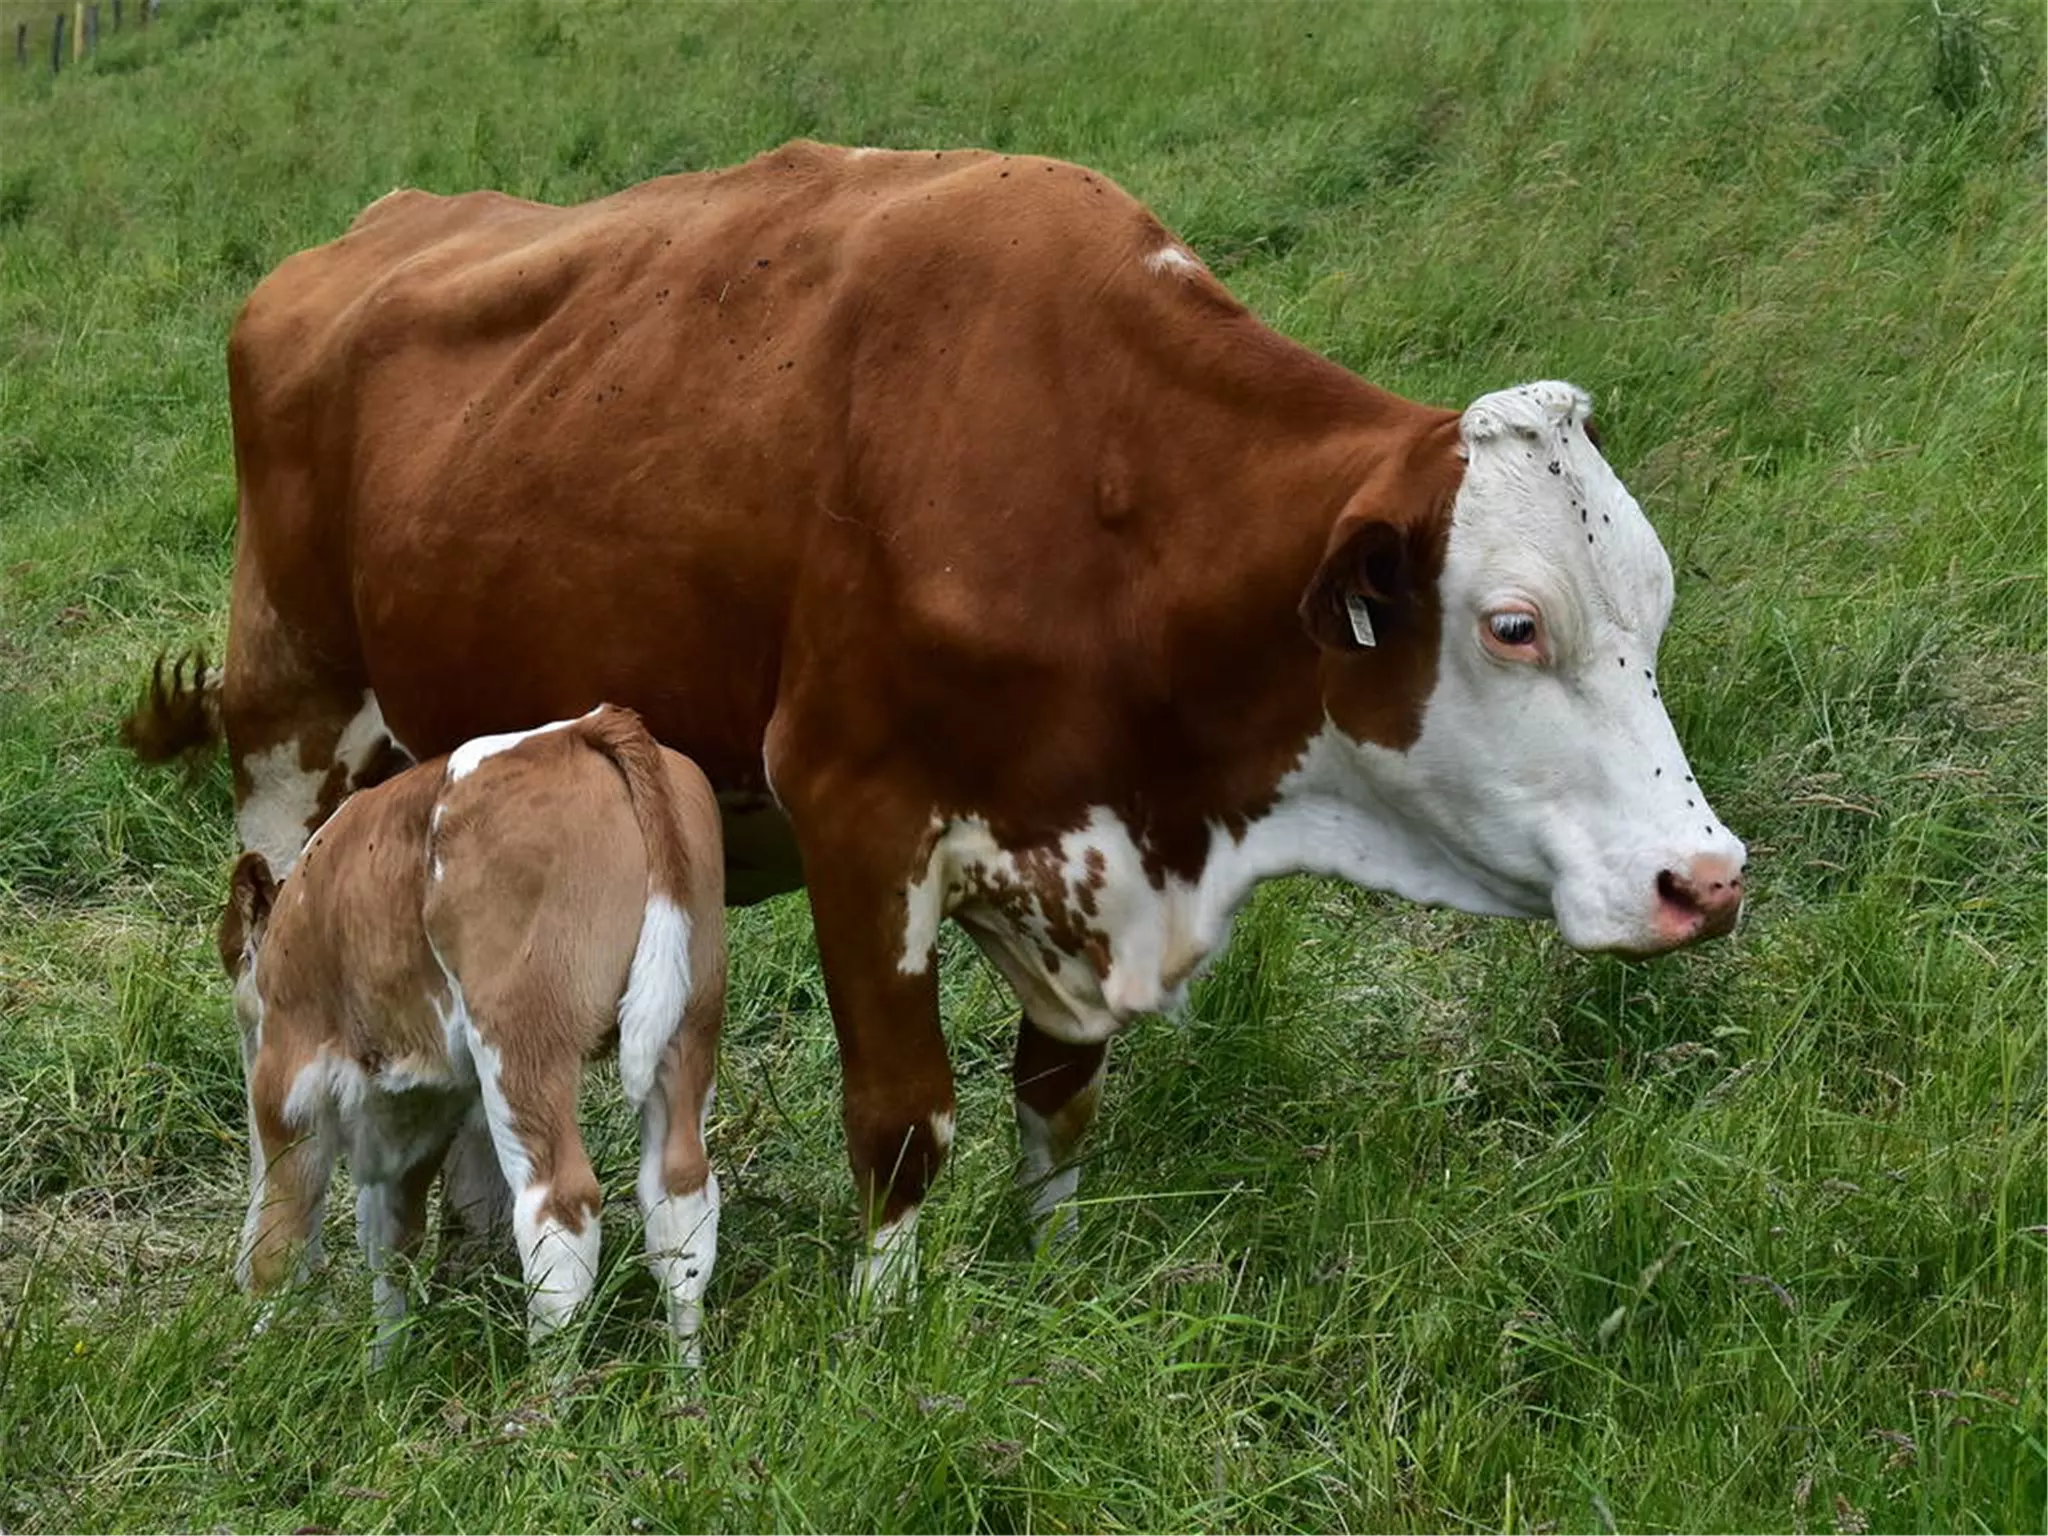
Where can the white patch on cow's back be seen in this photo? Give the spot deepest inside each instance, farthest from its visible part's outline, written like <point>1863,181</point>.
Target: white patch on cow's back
<point>462,762</point>
<point>657,990</point>
<point>1171,259</point>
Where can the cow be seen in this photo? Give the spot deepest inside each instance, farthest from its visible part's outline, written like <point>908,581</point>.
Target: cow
<point>446,952</point>
<point>993,561</point>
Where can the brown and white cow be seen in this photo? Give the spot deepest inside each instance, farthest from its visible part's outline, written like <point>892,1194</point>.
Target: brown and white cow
<point>992,559</point>
<point>448,950</point>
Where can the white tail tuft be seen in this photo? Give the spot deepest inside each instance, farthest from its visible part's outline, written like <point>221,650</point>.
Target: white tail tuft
<point>657,987</point>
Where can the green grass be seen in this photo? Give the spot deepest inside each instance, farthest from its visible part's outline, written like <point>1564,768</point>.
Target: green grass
<point>1413,1221</point>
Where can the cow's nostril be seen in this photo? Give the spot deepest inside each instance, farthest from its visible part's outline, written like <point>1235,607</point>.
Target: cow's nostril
<point>1674,890</point>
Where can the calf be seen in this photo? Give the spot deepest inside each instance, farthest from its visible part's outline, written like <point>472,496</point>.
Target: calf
<point>449,949</point>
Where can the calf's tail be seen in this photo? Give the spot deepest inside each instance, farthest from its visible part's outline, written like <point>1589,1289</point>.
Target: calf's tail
<point>658,985</point>
<point>178,717</point>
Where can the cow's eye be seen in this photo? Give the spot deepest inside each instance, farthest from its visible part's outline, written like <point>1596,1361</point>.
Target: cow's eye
<point>1513,629</point>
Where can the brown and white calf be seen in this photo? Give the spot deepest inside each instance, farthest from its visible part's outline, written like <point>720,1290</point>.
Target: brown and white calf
<point>450,948</point>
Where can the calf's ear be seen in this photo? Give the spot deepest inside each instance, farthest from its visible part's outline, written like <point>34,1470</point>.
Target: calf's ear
<point>252,890</point>
<point>1363,591</point>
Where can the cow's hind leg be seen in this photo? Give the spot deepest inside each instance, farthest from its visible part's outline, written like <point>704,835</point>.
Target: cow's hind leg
<point>678,1190</point>
<point>1058,1089</point>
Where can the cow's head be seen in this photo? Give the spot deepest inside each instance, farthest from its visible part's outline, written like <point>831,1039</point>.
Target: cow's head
<point>1493,678</point>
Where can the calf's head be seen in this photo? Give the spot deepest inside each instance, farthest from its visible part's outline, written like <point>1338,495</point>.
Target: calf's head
<point>1492,672</point>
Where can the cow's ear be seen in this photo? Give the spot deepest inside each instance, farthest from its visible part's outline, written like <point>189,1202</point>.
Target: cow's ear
<point>1363,590</point>
<point>252,890</point>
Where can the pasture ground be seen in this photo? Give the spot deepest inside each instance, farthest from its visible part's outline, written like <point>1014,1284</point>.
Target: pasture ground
<point>1412,1221</point>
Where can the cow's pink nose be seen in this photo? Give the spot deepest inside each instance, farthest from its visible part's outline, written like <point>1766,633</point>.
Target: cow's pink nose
<point>1701,901</point>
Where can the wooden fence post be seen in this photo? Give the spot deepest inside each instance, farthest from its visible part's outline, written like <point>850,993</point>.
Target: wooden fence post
<point>78,31</point>
<point>92,27</point>
<point>20,43</point>
<point>117,15</point>
<point>57,42</point>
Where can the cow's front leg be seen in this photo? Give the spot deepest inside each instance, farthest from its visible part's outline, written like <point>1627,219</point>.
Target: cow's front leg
<point>1058,1089</point>
<point>881,978</point>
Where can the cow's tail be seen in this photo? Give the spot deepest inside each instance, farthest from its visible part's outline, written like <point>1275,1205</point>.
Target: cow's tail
<point>658,985</point>
<point>179,716</point>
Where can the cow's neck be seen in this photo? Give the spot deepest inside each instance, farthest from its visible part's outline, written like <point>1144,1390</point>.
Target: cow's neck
<point>1090,933</point>
<point>1115,915</point>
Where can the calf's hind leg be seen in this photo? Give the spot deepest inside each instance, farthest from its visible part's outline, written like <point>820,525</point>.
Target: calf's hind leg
<point>678,1192</point>
<point>555,1194</point>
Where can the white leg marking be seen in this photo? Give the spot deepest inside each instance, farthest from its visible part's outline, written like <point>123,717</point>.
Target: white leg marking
<point>889,1272</point>
<point>462,762</point>
<point>657,987</point>
<point>682,1230</point>
<point>560,1265</point>
<point>942,1130</point>
<point>363,735</point>
<point>1044,1143</point>
<point>249,1015</point>
<point>1050,1183</point>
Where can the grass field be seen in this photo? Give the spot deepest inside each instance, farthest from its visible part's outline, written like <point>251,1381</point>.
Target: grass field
<point>1412,1221</point>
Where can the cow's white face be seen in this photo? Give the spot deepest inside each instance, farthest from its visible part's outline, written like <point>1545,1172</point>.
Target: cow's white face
<point>1546,779</point>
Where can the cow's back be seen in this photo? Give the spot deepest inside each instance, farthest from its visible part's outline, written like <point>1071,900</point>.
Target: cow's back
<point>525,448</point>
